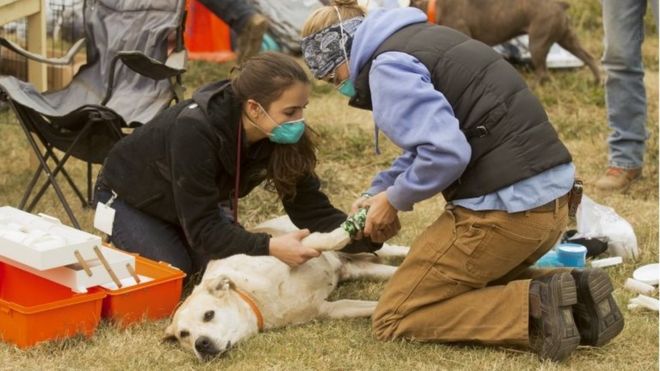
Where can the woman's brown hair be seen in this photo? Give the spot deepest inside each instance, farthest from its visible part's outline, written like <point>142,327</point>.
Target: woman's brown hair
<point>264,78</point>
<point>326,16</point>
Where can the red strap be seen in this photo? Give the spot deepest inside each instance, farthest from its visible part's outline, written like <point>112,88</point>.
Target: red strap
<point>238,173</point>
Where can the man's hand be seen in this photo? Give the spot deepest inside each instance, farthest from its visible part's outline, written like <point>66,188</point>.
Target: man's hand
<point>290,250</point>
<point>359,203</point>
<point>382,218</point>
<point>355,207</point>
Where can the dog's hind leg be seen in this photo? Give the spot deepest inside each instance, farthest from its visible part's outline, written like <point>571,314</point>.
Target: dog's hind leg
<point>355,268</point>
<point>347,309</point>
<point>570,42</point>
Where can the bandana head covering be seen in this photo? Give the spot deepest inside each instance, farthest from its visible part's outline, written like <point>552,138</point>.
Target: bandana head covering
<point>324,50</point>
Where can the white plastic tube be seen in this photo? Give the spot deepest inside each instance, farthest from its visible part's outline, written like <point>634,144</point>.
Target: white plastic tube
<point>639,287</point>
<point>607,262</point>
<point>646,302</point>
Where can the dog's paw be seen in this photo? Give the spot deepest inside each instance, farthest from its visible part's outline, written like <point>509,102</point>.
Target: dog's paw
<point>333,241</point>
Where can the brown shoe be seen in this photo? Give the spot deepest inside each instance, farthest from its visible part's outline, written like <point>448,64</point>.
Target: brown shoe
<point>249,40</point>
<point>552,331</point>
<point>617,179</point>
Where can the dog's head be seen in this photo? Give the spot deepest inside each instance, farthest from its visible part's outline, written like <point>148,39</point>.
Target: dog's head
<point>212,319</point>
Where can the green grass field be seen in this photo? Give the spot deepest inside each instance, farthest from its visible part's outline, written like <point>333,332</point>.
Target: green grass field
<point>347,163</point>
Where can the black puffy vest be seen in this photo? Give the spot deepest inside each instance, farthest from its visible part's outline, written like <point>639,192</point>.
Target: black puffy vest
<point>505,124</point>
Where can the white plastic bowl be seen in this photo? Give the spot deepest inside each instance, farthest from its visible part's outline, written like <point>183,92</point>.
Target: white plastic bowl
<point>649,274</point>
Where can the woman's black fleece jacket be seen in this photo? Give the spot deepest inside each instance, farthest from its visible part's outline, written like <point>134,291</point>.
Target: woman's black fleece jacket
<point>181,166</point>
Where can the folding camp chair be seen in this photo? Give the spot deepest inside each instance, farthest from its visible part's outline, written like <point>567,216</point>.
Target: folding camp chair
<point>129,77</point>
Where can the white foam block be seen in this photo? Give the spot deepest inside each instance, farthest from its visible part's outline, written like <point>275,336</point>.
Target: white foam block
<point>42,242</point>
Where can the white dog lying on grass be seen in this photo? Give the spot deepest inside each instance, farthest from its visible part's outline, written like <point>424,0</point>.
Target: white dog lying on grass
<point>242,295</point>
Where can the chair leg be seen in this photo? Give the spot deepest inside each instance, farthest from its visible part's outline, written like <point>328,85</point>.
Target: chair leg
<point>37,175</point>
<point>89,185</point>
<point>33,182</point>
<point>74,187</point>
<point>60,167</point>
<point>51,177</point>
<point>68,178</point>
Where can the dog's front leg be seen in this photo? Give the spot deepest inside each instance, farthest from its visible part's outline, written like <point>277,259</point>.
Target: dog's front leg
<point>392,251</point>
<point>347,308</point>
<point>331,241</point>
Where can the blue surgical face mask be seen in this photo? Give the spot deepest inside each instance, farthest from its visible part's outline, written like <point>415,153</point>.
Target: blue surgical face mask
<point>346,88</point>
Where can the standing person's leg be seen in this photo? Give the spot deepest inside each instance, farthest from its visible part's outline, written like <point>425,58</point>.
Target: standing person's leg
<point>244,19</point>
<point>623,22</point>
<point>235,13</point>
<point>134,231</point>
<point>439,292</point>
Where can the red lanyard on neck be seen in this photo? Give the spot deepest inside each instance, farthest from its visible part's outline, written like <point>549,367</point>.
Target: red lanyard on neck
<point>238,173</point>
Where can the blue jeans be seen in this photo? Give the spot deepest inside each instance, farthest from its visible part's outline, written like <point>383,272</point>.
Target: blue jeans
<point>235,13</point>
<point>623,22</point>
<point>152,238</point>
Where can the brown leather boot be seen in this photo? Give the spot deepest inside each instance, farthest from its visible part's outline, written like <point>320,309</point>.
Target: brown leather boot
<point>250,38</point>
<point>552,331</point>
<point>617,179</point>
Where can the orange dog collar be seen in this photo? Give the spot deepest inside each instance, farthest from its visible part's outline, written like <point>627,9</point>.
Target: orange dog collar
<point>253,305</point>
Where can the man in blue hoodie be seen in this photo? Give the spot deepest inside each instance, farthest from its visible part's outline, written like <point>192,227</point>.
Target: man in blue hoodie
<point>470,129</point>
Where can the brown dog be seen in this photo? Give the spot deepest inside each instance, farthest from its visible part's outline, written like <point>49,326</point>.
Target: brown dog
<point>496,21</point>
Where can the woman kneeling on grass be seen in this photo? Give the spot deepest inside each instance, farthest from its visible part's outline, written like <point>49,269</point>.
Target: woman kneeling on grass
<point>173,175</point>
<point>470,128</point>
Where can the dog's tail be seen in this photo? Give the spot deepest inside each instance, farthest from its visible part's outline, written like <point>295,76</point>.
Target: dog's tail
<point>564,5</point>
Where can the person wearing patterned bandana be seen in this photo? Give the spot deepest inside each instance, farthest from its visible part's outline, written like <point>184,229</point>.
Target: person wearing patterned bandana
<point>471,129</point>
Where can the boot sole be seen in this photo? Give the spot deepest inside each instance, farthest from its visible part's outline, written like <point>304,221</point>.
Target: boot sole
<point>563,295</point>
<point>597,315</point>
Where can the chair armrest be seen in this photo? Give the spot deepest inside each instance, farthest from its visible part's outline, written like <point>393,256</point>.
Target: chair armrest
<point>152,68</point>
<point>61,61</point>
<point>149,67</point>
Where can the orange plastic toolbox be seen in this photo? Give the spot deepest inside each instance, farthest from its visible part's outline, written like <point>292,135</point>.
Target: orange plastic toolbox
<point>34,309</point>
<point>153,299</point>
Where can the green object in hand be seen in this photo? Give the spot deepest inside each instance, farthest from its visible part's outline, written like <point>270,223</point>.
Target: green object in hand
<point>355,223</point>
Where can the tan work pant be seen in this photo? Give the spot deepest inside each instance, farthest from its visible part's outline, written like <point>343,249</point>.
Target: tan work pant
<point>466,278</point>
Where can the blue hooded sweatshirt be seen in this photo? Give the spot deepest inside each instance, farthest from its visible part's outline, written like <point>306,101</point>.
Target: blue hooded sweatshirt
<point>419,119</point>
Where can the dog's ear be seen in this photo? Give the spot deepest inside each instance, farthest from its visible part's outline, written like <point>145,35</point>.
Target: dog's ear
<point>169,337</point>
<point>220,285</point>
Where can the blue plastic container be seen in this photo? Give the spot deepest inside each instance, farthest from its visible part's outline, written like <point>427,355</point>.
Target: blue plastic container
<point>550,259</point>
<point>571,254</point>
